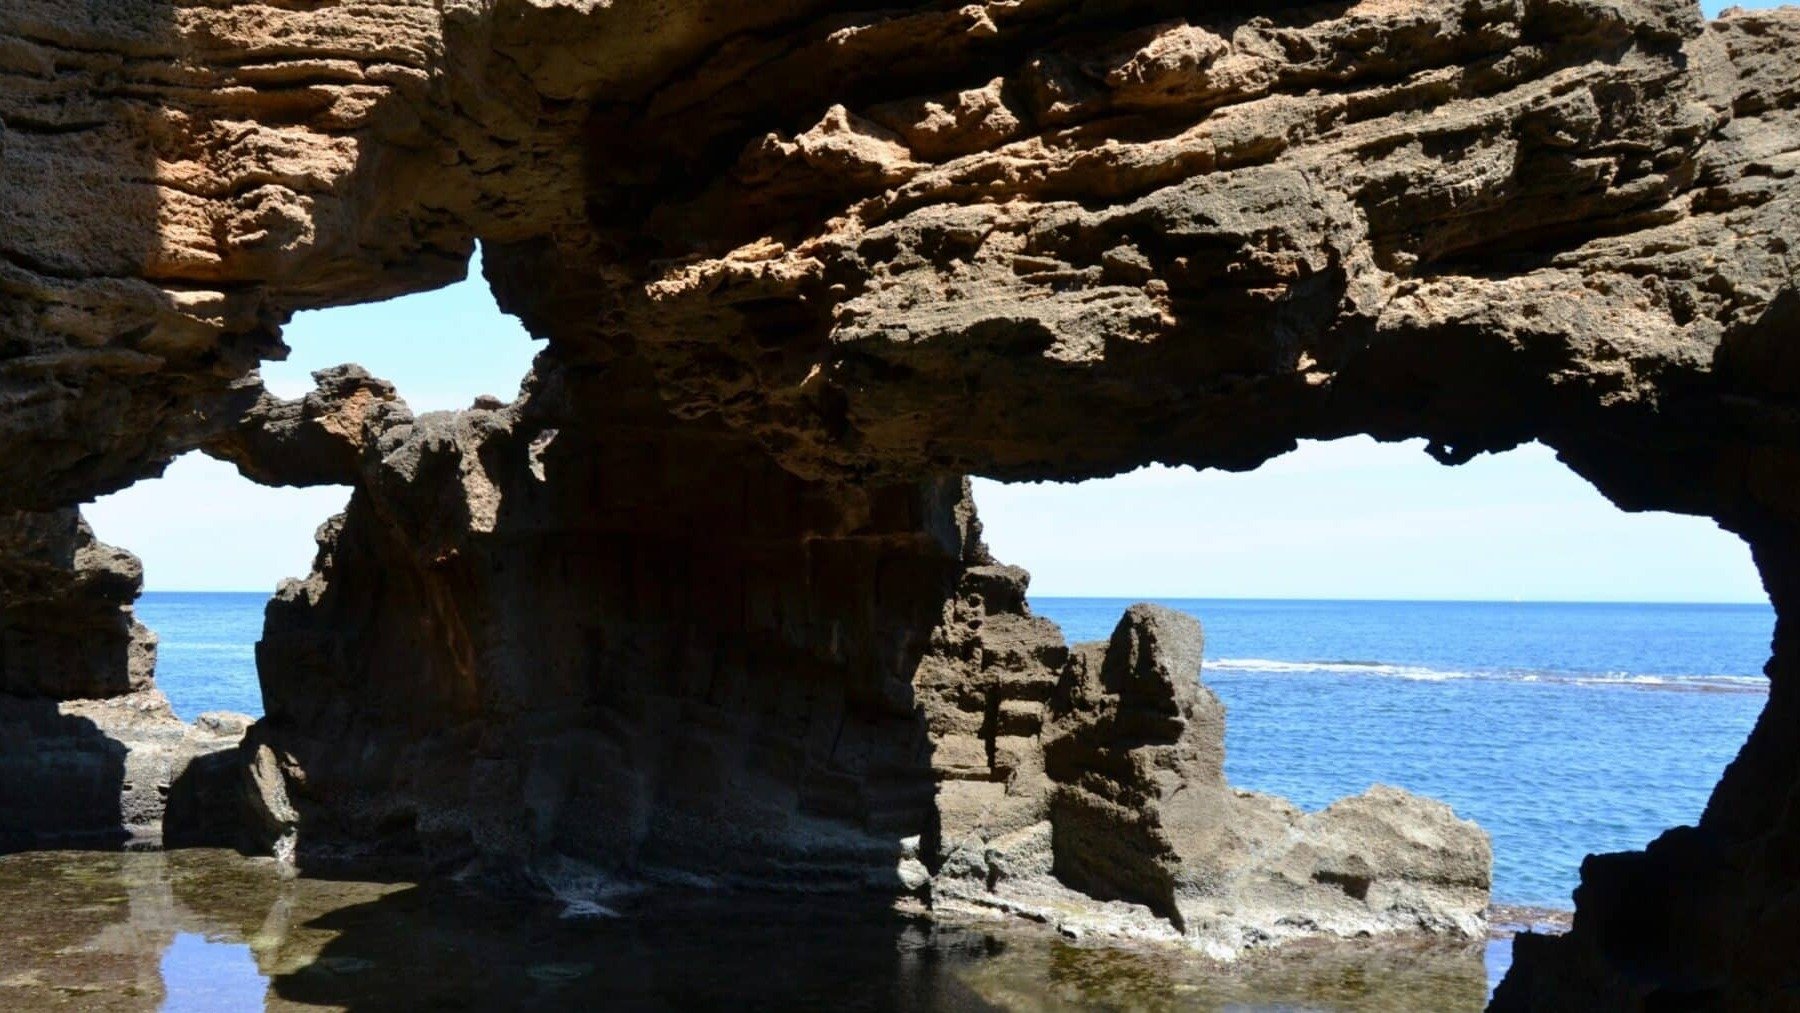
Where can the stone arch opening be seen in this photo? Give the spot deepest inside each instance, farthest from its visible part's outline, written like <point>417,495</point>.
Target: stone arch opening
<point>442,349</point>
<point>213,546</point>
<point>1635,708</point>
<point>202,527</point>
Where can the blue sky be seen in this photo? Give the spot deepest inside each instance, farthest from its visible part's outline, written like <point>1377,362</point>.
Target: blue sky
<point>1359,519</point>
<point>1713,7</point>
<point>202,527</point>
<point>1352,519</point>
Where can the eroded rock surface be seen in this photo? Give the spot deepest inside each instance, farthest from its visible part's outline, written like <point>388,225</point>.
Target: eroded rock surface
<point>1135,814</point>
<point>801,266</point>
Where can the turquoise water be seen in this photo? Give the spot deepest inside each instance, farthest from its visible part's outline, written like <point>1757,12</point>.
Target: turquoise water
<point>1563,728</point>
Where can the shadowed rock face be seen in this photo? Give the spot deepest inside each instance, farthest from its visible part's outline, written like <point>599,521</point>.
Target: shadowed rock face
<point>800,266</point>
<point>90,752</point>
<point>67,628</point>
<point>643,648</point>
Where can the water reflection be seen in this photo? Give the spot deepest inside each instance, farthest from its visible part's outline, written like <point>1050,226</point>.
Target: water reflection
<point>202,930</point>
<point>207,974</point>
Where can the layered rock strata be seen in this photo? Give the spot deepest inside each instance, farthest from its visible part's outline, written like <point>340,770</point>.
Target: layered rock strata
<point>851,253</point>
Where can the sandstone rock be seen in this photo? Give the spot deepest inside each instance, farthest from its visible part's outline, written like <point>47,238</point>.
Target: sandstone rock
<point>799,267</point>
<point>318,439</point>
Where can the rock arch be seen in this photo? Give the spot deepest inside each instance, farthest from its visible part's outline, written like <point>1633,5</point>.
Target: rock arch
<point>803,265</point>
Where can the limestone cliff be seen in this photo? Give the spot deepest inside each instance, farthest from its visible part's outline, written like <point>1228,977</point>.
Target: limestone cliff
<point>803,265</point>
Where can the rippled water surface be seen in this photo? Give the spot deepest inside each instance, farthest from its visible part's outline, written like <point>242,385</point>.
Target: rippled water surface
<point>206,650</point>
<point>210,930</point>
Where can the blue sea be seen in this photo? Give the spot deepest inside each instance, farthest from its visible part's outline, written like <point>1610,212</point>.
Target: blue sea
<point>206,649</point>
<point>1563,729</point>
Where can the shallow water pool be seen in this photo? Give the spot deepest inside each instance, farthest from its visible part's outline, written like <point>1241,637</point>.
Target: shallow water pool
<point>211,930</point>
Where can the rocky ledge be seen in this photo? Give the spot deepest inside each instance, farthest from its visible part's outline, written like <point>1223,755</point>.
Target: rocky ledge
<point>1143,838</point>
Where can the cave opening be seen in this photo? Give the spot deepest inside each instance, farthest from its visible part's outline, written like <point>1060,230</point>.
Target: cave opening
<point>1496,635</point>
<point>441,349</point>
<point>215,544</point>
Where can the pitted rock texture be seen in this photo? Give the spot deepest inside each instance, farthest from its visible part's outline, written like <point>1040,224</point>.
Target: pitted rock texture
<point>860,251</point>
<point>67,627</point>
<point>319,439</point>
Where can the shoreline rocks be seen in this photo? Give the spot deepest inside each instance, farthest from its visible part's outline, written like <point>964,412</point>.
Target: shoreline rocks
<point>90,752</point>
<point>1144,838</point>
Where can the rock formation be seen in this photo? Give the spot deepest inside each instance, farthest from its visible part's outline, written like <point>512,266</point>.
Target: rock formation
<point>802,266</point>
<point>1125,777</point>
<point>924,733</point>
<point>90,752</point>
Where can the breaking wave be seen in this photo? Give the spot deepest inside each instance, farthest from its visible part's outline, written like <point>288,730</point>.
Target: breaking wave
<point>1420,673</point>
